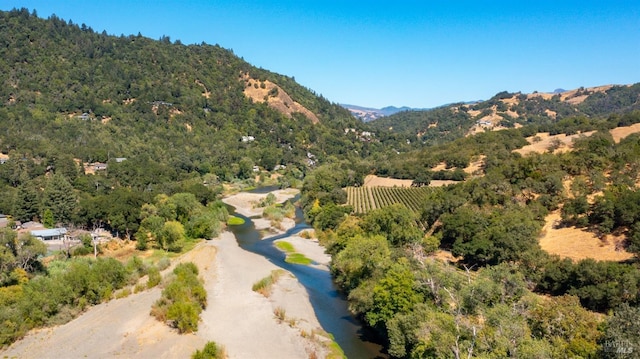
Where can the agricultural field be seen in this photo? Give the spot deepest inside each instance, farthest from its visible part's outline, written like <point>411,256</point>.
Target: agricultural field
<point>364,199</point>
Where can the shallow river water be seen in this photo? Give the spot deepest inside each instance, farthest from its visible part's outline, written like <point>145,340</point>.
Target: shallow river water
<point>329,304</point>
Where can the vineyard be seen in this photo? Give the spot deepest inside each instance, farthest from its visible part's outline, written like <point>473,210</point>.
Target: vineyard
<point>365,199</point>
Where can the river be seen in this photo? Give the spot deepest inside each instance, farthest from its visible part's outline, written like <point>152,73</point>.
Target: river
<point>330,306</point>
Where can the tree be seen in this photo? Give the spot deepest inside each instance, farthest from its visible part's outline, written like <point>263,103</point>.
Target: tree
<point>27,205</point>
<point>18,251</point>
<point>60,198</point>
<point>396,222</point>
<point>363,257</point>
<point>171,235</point>
<point>620,338</point>
<point>393,294</point>
<point>245,168</point>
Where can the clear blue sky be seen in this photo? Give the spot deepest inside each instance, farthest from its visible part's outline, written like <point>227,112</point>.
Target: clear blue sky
<point>379,53</point>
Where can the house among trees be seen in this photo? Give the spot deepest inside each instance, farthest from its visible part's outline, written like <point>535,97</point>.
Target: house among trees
<point>50,234</point>
<point>99,166</point>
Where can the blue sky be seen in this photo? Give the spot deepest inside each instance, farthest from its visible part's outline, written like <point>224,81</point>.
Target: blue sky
<point>380,53</point>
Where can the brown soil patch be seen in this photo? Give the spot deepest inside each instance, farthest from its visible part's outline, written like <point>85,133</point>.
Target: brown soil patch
<point>439,167</point>
<point>544,95</point>
<point>550,113</point>
<point>475,167</point>
<point>512,113</point>
<point>440,183</point>
<point>510,101</point>
<point>105,120</point>
<point>444,256</point>
<point>474,113</point>
<point>206,94</point>
<point>541,142</point>
<point>375,181</point>
<point>275,97</point>
<point>621,132</point>
<point>577,244</point>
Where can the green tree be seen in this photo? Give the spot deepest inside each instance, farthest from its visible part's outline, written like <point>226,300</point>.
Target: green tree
<point>393,294</point>
<point>60,197</point>
<point>27,204</point>
<point>171,236</point>
<point>396,222</point>
<point>620,339</point>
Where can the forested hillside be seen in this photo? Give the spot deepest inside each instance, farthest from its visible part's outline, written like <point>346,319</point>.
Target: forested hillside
<point>138,136</point>
<point>508,110</point>
<point>69,90</point>
<point>144,116</point>
<point>464,275</point>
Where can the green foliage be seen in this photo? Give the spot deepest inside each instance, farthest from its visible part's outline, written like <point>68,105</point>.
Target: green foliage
<point>58,297</point>
<point>210,351</point>
<point>263,286</point>
<point>183,299</point>
<point>395,222</point>
<point>393,294</point>
<point>60,198</point>
<point>563,322</point>
<point>619,339</point>
<point>291,255</point>
<point>235,221</point>
<point>19,252</point>
<point>155,277</point>
<point>107,101</point>
<point>362,258</point>
<point>171,236</point>
<point>329,215</point>
<point>493,237</point>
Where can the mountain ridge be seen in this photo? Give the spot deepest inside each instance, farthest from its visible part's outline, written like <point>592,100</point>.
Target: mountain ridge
<point>507,110</point>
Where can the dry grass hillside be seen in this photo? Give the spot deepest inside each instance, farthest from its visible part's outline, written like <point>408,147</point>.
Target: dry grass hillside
<point>275,97</point>
<point>491,121</point>
<point>543,142</point>
<point>577,244</point>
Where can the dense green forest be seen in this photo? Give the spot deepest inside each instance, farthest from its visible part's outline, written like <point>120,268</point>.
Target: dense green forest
<point>164,118</point>
<point>171,125</point>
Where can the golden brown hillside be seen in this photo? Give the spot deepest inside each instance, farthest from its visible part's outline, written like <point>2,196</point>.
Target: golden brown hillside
<point>275,97</point>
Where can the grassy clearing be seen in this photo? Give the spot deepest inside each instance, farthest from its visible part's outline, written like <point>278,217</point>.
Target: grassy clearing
<point>297,258</point>
<point>285,246</point>
<point>235,221</point>
<point>292,256</point>
<point>264,285</point>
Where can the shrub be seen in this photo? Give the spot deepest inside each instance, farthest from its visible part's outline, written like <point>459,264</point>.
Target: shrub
<point>163,263</point>
<point>185,316</point>
<point>154,277</point>
<point>263,286</point>
<point>210,351</point>
<point>182,299</point>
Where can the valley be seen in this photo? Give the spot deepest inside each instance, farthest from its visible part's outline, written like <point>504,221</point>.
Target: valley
<point>506,227</point>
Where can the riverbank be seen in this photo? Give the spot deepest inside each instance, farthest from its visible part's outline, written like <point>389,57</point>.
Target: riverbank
<point>246,323</point>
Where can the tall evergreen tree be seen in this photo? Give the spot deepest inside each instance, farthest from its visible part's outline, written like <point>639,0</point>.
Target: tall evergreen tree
<point>60,198</point>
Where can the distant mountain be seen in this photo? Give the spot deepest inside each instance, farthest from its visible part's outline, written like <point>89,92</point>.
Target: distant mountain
<point>367,114</point>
